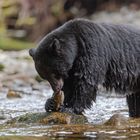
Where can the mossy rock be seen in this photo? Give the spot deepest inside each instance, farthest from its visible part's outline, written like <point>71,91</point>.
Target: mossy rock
<point>49,118</point>
<point>63,118</point>
<point>28,118</point>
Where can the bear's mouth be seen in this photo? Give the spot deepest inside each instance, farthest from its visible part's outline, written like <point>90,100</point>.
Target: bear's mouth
<point>57,85</point>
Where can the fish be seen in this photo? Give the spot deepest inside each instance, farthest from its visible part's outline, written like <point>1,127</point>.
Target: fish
<point>59,99</point>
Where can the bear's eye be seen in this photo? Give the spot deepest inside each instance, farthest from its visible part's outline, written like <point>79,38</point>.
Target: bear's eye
<point>57,76</point>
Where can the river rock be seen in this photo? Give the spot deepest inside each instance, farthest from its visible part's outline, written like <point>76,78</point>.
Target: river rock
<point>117,120</point>
<point>49,118</point>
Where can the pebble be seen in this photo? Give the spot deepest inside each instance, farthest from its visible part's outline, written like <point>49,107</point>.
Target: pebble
<point>13,94</point>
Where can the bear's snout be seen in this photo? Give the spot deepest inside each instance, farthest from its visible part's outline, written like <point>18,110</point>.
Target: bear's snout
<point>57,84</point>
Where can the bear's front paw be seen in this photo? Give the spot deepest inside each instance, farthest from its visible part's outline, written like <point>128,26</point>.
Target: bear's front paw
<point>78,110</point>
<point>50,105</point>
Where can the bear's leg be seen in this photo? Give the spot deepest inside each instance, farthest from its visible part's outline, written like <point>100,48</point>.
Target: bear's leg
<point>80,97</point>
<point>133,102</point>
<point>73,106</point>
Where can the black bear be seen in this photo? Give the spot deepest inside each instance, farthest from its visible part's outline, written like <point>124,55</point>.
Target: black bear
<point>81,55</point>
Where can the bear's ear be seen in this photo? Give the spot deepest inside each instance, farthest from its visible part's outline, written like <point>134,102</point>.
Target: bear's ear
<point>32,52</point>
<point>56,46</point>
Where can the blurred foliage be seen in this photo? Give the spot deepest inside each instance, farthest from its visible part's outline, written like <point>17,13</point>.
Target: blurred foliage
<point>8,40</point>
<point>13,44</point>
<point>1,67</point>
<point>30,20</point>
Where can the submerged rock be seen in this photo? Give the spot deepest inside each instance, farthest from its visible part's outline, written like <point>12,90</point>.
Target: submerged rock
<point>117,120</point>
<point>49,118</point>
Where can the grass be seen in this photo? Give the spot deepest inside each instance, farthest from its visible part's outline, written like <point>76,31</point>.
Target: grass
<point>13,44</point>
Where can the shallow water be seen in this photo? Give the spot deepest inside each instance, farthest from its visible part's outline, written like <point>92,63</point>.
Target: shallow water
<point>102,110</point>
<point>34,101</point>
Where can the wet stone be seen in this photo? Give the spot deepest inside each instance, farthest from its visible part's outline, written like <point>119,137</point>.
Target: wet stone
<point>63,118</point>
<point>49,118</point>
<point>117,120</point>
<point>13,94</point>
<point>56,118</point>
<point>2,116</point>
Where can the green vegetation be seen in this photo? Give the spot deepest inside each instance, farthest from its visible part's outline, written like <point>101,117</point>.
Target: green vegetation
<point>38,78</point>
<point>1,67</point>
<point>13,44</point>
<point>7,43</point>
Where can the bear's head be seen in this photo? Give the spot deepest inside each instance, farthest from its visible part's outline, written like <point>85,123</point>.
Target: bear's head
<point>54,58</point>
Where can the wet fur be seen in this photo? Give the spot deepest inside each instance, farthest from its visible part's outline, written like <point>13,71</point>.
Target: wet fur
<point>96,54</point>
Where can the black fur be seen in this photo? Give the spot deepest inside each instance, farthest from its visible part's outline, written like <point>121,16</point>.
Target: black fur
<point>86,54</point>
